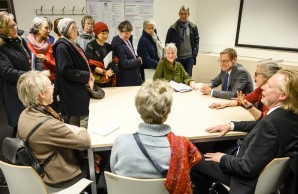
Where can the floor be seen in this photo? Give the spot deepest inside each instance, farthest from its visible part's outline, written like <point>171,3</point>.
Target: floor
<point>5,131</point>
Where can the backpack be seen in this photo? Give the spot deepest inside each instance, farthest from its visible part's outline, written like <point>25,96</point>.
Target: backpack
<point>16,151</point>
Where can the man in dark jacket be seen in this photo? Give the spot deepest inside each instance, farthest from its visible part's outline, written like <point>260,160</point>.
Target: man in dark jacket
<point>185,35</point>
<point>274,136</point>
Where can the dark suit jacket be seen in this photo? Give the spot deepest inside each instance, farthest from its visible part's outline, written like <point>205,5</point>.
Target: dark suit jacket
<point>240,80</point>
<point>273,136</point>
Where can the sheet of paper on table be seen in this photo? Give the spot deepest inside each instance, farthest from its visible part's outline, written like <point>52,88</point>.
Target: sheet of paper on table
<point>105,129</point>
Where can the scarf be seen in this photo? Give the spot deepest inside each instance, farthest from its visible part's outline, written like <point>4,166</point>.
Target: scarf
<point>39,47</point>
<point>129,46</point>
<point>158,46</point>
<point>183,26</point>
<point>184,155</point>
<point>49,111</point>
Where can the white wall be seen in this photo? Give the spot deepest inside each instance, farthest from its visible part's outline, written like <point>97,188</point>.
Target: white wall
<point>216,20</point>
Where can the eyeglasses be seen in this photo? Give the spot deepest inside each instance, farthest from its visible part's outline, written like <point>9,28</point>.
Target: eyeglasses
<point>51,86</point>
<point>89,24</point>
<point>223,61</point>
<point>256,74</point>
<point>13,26</point>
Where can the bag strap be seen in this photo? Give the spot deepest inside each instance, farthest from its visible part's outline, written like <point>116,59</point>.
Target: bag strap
<point>34,129</point>
<point>162,171</point>
<point>30,134</point>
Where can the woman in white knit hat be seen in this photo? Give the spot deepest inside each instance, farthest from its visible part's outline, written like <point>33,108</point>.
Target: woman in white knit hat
<point>72,74</point>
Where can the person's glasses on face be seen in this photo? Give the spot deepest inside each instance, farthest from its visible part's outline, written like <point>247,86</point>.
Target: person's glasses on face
<point>13,26</point>
<point>223,61</point>
<point>256,74</point>
<point>51,86</point>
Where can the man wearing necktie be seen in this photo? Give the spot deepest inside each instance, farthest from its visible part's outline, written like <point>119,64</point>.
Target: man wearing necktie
<point>233,77</point>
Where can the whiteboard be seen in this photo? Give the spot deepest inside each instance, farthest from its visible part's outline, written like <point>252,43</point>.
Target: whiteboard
<point>271,24</point>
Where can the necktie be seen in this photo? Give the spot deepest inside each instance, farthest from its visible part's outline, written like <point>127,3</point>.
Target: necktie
<point>225,83</point>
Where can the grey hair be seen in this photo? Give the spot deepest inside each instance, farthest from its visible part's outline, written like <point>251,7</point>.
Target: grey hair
<point>37,23</point>
<point>269,68</point>
<point>148,22</point>
<point>171,46</point>
<point>184,8</point>
<point>30,84</point>
<point>4,19</point>
<point>154,101</point>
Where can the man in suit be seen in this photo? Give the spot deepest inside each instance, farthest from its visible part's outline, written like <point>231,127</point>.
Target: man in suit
<point>275,135</point>
<point>233,77</point>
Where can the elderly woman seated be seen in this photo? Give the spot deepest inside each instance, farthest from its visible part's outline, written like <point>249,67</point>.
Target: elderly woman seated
<point>53,143</point>
<point>174,154</point>
<point>170,69</point>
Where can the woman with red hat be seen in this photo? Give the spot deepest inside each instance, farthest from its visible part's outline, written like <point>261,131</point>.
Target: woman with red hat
<point>96,51</point>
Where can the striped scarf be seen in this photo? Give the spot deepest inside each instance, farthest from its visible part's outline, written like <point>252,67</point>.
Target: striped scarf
<point>184,155</point>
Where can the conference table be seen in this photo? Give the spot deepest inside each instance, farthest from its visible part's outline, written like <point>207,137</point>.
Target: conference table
<point>189,117</point>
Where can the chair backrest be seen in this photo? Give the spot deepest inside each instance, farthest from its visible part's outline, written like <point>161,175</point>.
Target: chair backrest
<point>117,184</point>
<point>24,179</point>
<point>273,175</point>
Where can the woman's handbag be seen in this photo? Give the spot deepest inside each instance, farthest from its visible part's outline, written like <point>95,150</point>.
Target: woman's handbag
<point>17,152</point>
<point>96,92</point>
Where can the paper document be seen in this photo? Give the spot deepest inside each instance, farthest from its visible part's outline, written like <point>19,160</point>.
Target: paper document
<point>108,59</point>
<point>106,129</point>
<point>180,87</point>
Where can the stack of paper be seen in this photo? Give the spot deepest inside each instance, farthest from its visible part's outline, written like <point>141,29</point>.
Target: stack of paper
<point>180,87</point>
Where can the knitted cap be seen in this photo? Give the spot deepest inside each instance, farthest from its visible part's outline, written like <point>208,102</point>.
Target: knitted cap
<point>63,26</point>
<point>99,27</point>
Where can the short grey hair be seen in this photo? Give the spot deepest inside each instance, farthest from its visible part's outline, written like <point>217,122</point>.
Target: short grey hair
<point>171,46</point>
<point>37,23</point>
<point>30,84</point>
<point>154,101</point>
<point>148,22</point>
<point>269,68</point>
<point>184,8</point>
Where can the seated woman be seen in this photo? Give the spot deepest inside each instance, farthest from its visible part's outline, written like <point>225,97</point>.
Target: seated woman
<point>263,72</point>
<point>96,51</point>
<point>54,141</point>
<point>173,153</point>
<point>170,69</point>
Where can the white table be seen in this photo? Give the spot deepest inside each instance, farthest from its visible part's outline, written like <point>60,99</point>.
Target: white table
<point>190,116</point>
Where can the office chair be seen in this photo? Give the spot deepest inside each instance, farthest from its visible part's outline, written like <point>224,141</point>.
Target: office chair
<point>23,179</point>
<point>270,180</point>
<point>117,184</point>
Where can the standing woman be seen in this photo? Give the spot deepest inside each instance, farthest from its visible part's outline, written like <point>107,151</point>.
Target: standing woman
<point>15,59</point>
<point>129,62</point>
<point>149,48</point>
<point>96,51</point>
<point>39,44</point>
<point>72,74</point>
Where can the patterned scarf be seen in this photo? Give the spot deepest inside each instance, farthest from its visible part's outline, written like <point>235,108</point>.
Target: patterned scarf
<point>39,47</point>
<point>158,46</point>
<point>49,111</point>
<point>183,26</point>
<point>183,156</point>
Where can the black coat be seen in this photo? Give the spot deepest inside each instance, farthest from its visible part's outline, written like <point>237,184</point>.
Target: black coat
<point>13,63</point>
<point>129,66</point>
<point>72,74</point>
<point>174,37</point>
<point>274,136</point>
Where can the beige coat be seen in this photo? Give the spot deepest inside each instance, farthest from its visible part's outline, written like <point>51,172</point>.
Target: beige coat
<point>53,136</point>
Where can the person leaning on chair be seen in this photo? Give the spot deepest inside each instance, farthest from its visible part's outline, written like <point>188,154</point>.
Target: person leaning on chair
<point>53,140</point>
<point>273,136</point>
<point>175,154</point>
<point>233,77</point>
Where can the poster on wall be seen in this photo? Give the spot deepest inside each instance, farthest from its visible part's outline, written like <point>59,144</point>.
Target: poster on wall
<point>136,11</point>
<point>107,11</point>
<point>112,12</point>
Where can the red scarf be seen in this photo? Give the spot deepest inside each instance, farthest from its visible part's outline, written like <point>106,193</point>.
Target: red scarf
<point>184,155</point>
